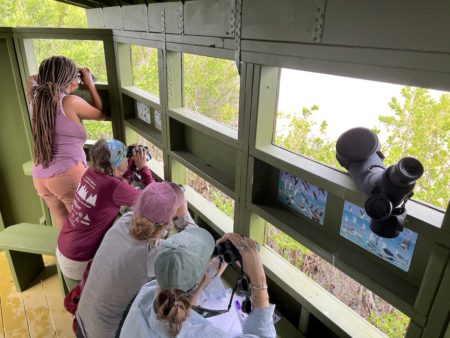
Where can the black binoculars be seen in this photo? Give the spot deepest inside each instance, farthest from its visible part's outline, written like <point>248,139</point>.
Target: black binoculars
<point>228,252</point>
<point>139,148</point>
<point>80,75</point>
<point>358,151</point>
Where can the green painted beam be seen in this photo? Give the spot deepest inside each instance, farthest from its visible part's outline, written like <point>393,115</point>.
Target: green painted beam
<point>19,201</point>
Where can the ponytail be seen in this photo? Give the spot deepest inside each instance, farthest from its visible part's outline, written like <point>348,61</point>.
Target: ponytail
<point>45,103</point>
<point>143,229</point>
<point>172,306</point>
<point>101,157</point>
<point>55,74</point>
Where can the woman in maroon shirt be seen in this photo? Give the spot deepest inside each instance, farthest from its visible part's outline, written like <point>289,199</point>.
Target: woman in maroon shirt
<point>100,194</point>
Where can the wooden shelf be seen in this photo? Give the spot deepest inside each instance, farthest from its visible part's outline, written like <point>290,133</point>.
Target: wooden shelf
<point>142,96</point>
<point>146,130</point>
<point>218,178</point>
<point>351,259</point>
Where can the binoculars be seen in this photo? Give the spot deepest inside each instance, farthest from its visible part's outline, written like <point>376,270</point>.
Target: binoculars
<point>80,75</point>
<point>228,251</point>
<point>388,189</point>
<point>140,148</point>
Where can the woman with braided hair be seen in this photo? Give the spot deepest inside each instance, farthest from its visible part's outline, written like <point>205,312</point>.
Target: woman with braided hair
<point>58,132</point>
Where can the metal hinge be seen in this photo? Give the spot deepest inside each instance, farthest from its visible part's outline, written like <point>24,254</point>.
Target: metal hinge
<point>181,19</point>
<point>236,29</point>
<point>319,17</point>
<point>163,26</point>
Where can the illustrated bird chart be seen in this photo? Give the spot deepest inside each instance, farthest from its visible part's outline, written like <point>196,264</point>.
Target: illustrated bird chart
<point>299,195</point>
<point>143,112</point>
<point>355,226</point>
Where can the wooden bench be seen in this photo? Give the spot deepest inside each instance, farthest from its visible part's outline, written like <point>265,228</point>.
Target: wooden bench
<point>25,244</point>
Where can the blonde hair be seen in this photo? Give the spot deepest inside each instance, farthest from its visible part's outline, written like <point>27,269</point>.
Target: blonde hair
<point>55,74</point>
<point>144,229</point>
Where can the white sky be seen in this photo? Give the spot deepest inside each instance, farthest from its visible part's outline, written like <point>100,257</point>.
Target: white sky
<point>343,102</point>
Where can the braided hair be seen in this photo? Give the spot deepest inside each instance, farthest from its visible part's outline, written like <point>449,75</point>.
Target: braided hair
<point>101,157</point>
<point>55,74</point>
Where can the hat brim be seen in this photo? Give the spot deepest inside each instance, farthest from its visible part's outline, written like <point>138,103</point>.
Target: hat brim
<point>180,195</point>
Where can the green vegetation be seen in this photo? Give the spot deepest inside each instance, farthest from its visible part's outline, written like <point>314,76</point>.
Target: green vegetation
<point>211,193</point>
<point>301,140</point>
<point>374,309</point>
<point>145,68</point>
<point>211,87</point>
<point>50,13</point>
<point>419,127</point>
<point>98,129</point>
<point>85,54</point>
<point>41,13</point>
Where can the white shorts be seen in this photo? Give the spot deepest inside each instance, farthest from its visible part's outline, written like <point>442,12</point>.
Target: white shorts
<point>70,268</point>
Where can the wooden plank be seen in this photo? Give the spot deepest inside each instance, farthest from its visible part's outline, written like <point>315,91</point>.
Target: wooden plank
<point>13,311</point>
<point>62,320</point>
<point>38,315</point>
<point>32,238</point>
<point>1,322</point>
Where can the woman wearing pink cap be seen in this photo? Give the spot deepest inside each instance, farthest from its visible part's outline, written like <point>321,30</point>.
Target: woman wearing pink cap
<point>125,259</point>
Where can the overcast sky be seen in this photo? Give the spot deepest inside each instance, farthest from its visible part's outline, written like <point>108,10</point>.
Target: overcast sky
<point>344,102</point>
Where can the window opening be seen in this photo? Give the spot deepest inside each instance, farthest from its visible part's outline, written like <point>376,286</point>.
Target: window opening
<point>145,68</point>
<point>367,304</point>
<point>98,129</point>
<point>222,201</point>
<point>157,153</point>
<point>314,109</point>
<point>85,53</point>
<point>211,88</point>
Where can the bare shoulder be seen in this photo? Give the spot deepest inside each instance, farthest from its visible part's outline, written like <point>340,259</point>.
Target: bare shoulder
<point>72,99</point>
<point>70,105</point>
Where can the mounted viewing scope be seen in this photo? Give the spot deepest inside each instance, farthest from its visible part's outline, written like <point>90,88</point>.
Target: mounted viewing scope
<point>358,151</point>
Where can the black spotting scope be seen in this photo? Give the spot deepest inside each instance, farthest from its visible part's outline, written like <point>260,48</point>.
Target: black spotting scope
<point>388,189</point>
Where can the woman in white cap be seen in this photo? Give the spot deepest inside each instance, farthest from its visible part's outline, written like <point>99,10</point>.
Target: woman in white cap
<point>163,306</point>
<point>124,262</point>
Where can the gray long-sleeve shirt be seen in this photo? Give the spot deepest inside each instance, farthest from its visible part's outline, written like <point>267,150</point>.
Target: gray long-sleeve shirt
<point>121,266</point>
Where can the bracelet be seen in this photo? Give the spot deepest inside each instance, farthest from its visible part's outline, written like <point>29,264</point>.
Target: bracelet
<point>259,299</point>
<point>259,287</point>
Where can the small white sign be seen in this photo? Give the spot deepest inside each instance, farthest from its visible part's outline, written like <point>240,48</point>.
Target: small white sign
<point>143,112</point>
<point>158,120</point>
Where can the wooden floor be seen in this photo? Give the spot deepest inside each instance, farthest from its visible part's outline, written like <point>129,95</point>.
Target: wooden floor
<point>36,312</point>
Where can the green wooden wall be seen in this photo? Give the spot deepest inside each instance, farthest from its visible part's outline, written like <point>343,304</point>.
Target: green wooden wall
<point>262,37</point>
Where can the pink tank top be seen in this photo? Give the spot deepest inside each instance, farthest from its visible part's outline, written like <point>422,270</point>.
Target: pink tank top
<point>67,148</point>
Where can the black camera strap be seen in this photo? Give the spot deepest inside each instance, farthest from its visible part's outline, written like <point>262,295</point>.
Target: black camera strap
<point>207,313</point>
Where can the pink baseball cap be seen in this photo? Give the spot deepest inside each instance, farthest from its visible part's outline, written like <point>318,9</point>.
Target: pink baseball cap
<point>159,202</point>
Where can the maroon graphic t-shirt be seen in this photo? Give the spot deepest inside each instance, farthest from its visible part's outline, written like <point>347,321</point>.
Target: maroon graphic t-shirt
<point>95,207</point>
